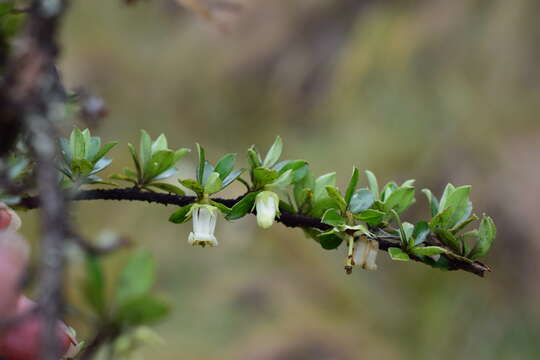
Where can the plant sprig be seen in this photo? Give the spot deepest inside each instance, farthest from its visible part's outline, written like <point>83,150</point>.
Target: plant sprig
<point>361,211</point>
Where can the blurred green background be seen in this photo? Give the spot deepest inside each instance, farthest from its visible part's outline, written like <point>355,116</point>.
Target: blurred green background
<point>441,91</point>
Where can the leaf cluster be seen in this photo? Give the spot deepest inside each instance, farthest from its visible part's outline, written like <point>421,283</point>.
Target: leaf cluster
<point>83,156</point>
<point>131,303</point>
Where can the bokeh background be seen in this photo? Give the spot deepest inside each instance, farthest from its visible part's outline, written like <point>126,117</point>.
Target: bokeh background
<point>440,91</point>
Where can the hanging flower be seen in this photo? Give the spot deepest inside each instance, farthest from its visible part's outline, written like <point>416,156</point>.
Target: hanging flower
<point>267,205</point>
<point>204,224</point>
<point>365,253</point>
<point>9,220</point>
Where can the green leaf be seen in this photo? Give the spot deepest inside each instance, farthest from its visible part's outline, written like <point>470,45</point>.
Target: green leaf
<point>397,254</point>
<point>165,174</point>
<point>244,206</point>
<point>400,199</point>
<point>94,285</point>
<point>136,161</point>
<point>447,191</point>
<point>144,309</point>
<point>319,191</point>
<point>333,217</point>
<point>65,147</point>
<point>136,277</point>
<point>282,181</point>
<point>432,200</point>
<point>408,228</point>
<point>202,162</point>
<point>302,188</point>
<point>387,190</point>
<point>145,149</point>
<point>429,250</point>
<point>443,263</point>
<point>449,239</point>
<point>231,177</point>
<point>104,150</point>
<point>179,154</point>
<point>285,165</point>
<point>361,200</point>
<point>100,165</point>
<point>81,167</point>
<point>254,159</point>
<point>440,220</point>
<point>92,146</point>
<point>123,178</point>
<point>283,205</point>
<point>371,217</point>
<point>373,184</point>
<point>158,163</point>
<point>181,215</point>
<point>298,167</point>
<point>208,170</point>
<point>353,182</point>
<point>160,144</point>
<point>402,233</point>
<point>263,176</point>
<point>463,224</point>
<point>168,188</point>
<point>333,192</point>
<point>193,185</point>
<point>319,207</point>
<point>129,172</point>
<point>408,183</point>
<point>77,144</point>
<point>225,210</point>
<point>486,235</point>
<point>460,205</point>
<point>273,154</point>
<point>213,183</point>
<point>225,165</point>
<point>329,241</point>
<point>420,233</point>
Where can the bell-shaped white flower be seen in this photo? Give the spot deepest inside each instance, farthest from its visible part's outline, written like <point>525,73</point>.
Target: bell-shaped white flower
<point>9,220</point>
<point>365,253</point>
<point>204,224</point>
<point>267,206</point>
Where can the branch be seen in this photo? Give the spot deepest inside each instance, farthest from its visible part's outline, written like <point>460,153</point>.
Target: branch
<point>31,100</point>
<point>288,219</point>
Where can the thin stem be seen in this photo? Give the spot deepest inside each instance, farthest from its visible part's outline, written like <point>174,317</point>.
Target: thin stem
<point>349,263</point>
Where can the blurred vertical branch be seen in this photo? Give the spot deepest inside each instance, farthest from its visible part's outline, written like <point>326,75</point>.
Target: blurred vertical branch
<point>31,99</point>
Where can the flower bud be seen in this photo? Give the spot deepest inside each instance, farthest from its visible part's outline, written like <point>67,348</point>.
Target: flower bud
<point>267,206</point>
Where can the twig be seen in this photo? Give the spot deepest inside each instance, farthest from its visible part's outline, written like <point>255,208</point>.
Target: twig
<point>288,219</point>
<point>97,250</point>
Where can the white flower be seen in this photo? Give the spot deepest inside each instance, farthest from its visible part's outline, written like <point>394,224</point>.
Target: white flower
<point>9,220</point>
<point>365,253</point>
<point>267,205</point>
<point>204,224</point>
